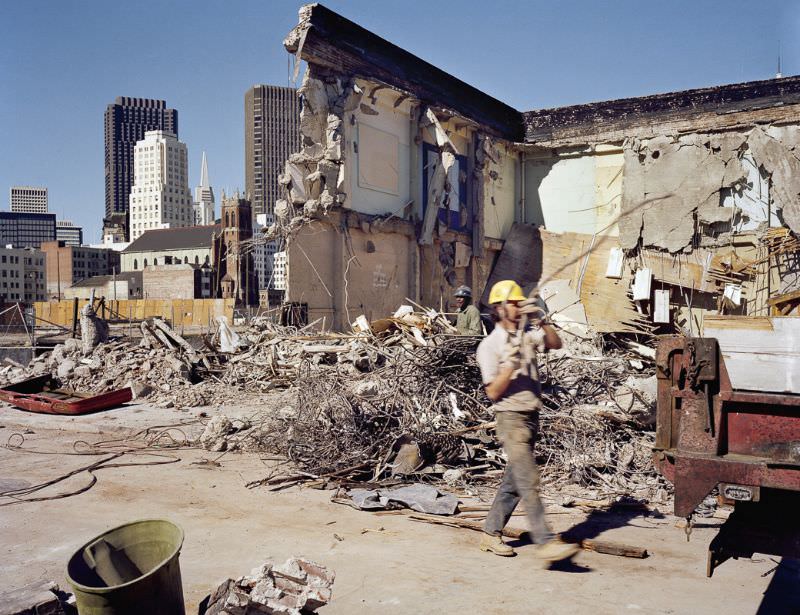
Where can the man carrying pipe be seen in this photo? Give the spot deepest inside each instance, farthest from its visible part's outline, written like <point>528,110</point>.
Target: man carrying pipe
<point>507,359</point>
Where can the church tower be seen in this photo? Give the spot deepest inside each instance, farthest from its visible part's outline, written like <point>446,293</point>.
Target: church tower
<point>233,254</point>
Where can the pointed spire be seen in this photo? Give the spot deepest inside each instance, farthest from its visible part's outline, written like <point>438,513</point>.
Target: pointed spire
<point>204,173</point>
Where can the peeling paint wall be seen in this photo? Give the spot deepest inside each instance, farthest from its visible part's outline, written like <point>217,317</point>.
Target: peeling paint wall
<point>378,142</point>
<point>500,207</point>
<point>572,192</point>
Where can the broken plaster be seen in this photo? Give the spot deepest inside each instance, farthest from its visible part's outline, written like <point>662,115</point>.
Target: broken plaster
<point>674,188</point>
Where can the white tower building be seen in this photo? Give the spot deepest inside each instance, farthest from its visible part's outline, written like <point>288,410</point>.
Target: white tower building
<point>204,198</point>
<point>160,195</point>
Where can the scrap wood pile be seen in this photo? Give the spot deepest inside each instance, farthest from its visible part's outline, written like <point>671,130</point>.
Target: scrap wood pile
<point>402,398</point>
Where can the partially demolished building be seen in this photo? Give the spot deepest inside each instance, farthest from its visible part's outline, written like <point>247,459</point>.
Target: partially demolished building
<point>651,211</point>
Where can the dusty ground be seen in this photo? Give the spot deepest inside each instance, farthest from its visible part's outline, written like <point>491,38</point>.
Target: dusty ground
<point>407,568</point>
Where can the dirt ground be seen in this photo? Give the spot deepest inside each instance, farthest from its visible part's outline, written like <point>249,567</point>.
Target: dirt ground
<point>407,567</point>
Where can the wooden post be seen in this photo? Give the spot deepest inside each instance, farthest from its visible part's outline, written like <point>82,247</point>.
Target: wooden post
<point>74,317</point>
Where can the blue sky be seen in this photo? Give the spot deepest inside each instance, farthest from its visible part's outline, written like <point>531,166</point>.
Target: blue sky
<point>63,61</point>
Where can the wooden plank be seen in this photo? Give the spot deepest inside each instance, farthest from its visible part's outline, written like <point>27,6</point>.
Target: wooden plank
<point>600,546</point>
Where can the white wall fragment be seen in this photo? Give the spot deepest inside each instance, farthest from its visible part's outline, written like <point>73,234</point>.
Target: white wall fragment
<point>615,261</point>
<point>641,285</point>
<point>661,309</point>
<point>733,293</point>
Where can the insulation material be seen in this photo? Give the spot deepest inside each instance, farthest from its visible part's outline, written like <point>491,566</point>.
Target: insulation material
<point>641,285</point>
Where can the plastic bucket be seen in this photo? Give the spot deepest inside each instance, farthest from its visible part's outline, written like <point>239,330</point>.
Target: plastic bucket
<point>131,569</point>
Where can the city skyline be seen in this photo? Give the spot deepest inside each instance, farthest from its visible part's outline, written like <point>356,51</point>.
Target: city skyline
<point>207,83</point>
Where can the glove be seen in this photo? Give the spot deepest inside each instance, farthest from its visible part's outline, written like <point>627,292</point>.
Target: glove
<point>512,355</point>
<point>535,309</point>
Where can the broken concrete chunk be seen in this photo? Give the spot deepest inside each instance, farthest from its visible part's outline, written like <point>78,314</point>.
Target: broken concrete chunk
<point>283,210</point>
<point>140,389</point>
<point>66,368</point>
<point>297,586</point>
<point>214,437</point>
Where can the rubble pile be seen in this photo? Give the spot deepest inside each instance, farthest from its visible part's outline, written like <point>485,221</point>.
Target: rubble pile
<point>397,397</point>
<point>405,399</point>
<point>295,587</point>
<point>156,367</point>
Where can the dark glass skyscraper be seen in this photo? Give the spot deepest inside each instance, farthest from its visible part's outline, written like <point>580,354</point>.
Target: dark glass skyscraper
<point>126,121</point>
<point>271,134</point>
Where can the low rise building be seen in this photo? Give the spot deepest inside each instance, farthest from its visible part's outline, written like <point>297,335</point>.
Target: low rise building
<point>22,275</point>
<point>67,265</point>
<point>190,245</point>
<point>115,287</point>
<point>68,232</point>
<point>178,281</point>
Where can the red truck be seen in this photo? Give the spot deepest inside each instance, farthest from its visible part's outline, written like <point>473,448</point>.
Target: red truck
<point>743,442</point>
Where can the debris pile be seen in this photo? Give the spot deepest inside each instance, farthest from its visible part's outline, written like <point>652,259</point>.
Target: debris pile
<point>160,366</point>
<point>405,399</point>
<point>295,587</point>
<point>399,397</point>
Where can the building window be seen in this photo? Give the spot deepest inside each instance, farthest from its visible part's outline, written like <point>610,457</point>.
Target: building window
<point>453,211</point>
<point>135,263</point>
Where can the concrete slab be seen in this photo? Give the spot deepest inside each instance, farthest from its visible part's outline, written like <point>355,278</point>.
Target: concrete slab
<point>407,567</point>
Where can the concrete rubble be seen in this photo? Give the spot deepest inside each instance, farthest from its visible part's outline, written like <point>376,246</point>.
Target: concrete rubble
<point>294,587</point>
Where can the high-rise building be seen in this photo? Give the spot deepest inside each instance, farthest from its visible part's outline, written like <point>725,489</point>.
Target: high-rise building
<point>204,198</point>
<point>25,230</point>
<point>28,199</point>
<point>69,233</point>
<point>126,121</point>
<point>160,196</point>
<point>271,134</point>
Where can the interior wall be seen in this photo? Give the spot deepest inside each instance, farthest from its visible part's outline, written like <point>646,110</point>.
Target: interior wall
<point>579,193</point>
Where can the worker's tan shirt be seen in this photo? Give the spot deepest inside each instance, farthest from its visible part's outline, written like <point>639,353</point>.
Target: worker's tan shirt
<point>524,392</point>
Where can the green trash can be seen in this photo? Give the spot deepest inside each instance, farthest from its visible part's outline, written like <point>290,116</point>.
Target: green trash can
<point>130,570</point>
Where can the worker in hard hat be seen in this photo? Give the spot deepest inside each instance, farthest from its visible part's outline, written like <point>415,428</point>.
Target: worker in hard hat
<point>468,321</point>
<point>507,359</point>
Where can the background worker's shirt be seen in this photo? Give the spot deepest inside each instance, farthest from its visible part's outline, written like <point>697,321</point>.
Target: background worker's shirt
<point>524,392</point>
<point>468,321</point>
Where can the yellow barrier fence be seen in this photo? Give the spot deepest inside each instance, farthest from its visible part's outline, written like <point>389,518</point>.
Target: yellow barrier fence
<point>180,312</point>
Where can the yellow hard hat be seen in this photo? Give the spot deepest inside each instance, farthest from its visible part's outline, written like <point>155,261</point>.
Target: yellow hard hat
<point>505,290</point>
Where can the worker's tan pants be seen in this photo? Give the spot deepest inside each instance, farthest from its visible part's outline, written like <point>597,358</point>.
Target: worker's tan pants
<point>518,432</point>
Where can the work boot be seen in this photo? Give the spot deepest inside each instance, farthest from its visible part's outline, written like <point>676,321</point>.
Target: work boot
<point>555,550</point>
<point>495,545</point>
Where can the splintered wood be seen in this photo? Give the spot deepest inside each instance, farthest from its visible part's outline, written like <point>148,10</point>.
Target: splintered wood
<point>405,400</point>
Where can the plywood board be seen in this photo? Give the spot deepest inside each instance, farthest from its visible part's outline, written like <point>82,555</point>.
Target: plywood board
<point>761,353</point>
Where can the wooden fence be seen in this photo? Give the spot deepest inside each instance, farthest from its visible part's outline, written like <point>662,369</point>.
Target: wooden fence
<point>179,312</point>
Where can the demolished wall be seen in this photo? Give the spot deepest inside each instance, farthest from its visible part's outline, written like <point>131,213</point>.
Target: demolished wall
<point>387,199</point>
<point>705,218</point>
